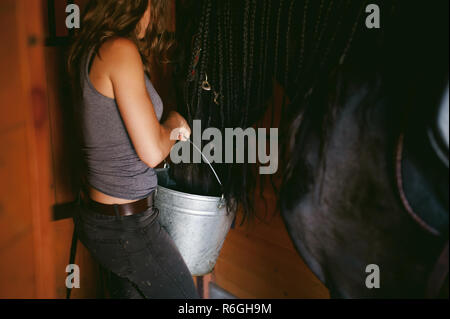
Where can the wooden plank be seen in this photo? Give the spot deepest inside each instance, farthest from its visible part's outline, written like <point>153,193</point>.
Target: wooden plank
<point>11,114</point>
<point>17,271</point>
<point>31,54</point>
<point>17,267</point>
<point>15,198</point>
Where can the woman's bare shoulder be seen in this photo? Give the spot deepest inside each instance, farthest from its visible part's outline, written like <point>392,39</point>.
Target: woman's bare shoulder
<point>120,53</point>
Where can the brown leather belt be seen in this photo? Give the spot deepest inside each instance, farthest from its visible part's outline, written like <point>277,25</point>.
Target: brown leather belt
<point>122,210</point>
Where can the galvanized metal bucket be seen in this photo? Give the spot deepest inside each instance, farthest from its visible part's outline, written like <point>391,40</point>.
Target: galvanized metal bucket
<point>197,224</point>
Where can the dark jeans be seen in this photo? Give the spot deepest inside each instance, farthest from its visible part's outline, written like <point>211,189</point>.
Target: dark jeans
<point>142,258</point>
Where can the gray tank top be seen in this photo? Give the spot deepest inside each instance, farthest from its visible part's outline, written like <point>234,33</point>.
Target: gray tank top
<point>113,166</point>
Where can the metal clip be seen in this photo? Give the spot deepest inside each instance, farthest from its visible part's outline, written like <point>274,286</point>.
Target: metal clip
<point>205,85</point>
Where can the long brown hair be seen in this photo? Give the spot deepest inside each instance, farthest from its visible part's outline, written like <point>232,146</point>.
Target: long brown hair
<point>105,19</point>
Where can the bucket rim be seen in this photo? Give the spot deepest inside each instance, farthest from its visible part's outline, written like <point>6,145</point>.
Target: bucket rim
<point>191,196</point>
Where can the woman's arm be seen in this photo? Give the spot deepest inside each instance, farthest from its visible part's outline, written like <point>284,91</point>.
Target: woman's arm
<point>151,139</point>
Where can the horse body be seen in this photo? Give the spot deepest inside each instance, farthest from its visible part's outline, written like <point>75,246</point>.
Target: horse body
<point>341,204</point>
<point>340,197</point>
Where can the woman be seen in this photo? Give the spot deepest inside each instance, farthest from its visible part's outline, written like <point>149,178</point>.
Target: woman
<point>122,141</point>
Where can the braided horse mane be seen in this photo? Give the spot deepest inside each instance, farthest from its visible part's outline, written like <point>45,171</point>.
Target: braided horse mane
<point>244,47</point>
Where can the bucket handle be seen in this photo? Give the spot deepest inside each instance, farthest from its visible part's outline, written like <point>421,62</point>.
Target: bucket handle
<point>222,201</point>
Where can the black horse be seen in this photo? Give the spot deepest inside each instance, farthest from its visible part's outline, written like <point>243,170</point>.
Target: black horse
<point>367,183</point>
<point>366,180</point>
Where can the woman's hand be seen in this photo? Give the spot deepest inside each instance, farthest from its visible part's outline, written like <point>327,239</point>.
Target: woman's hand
<point>178,126</point>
